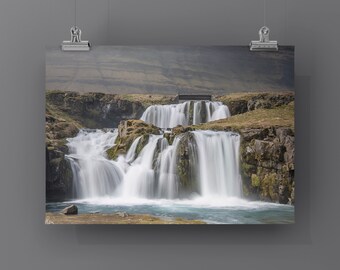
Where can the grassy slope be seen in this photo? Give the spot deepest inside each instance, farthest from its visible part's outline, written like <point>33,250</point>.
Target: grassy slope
<point>282,116</point>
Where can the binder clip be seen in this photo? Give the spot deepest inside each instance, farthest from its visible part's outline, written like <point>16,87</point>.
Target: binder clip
<point>264,44</point>
<point>75,44</point>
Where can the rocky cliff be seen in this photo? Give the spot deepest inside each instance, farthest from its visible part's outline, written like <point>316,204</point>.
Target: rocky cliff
<point>58,127</point>
<point>267,151</point>
<point>244,102</point>
<point>66,113</point>
<point>95,110</point>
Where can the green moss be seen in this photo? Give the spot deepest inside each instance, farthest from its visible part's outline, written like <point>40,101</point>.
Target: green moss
<point>128,131</point>
<point>269,186</point>
<point>248,169</point>
<point>255,180</point>
<point>245,190</point>
<point>142,142</point>
<point>112,153</point>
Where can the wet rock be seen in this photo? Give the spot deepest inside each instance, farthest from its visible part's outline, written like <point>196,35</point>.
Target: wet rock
<point>128,131</point>
<point>70,210</point>
<point>185,156</point>
<point>59,179</point>
<point>122,214</point>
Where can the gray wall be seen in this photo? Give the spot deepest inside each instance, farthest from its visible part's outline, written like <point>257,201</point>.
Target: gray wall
<point>26,27</point>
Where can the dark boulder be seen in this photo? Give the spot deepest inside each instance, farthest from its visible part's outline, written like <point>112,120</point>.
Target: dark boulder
<point>70,210</point>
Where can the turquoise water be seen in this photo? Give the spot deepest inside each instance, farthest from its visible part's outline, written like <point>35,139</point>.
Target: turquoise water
<point>231,211</point>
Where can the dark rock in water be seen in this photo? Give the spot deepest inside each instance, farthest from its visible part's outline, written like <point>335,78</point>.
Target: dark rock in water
<point>70,210</point>
<point>122,214</point>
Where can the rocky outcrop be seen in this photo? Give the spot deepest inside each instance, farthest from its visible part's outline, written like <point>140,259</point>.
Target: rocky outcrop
<point>185,165</point>
<point>70,210</point>
<point>94,110</point>
<point>58,170</point>
<point>267,164</point>
<point>59,179</point>
<point>244,102</point>
<point>128,131</point>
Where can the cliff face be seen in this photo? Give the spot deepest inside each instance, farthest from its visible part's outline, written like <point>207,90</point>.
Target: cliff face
<point>267,164</point>
<point>95,110</point>
<point>58,171</point>
<point>244,102</point>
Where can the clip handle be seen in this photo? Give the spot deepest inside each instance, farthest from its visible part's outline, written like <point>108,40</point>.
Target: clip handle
<point>264,43</point>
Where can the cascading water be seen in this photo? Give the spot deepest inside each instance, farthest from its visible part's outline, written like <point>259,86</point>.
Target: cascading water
<point>210,164</point>
<point>217,168</point>
<point>140,177</point>
<point>186,113</point>
<point>93,174</point>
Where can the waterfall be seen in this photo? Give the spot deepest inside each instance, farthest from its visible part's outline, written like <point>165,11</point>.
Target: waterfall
<point>139,181</point>
<point>131,154</point>
<point>204,163</point>
<point>217,168</point>
<point>214,164</point>
<point>186,113</point>
<point>166,169</point>
<point>93,174</point>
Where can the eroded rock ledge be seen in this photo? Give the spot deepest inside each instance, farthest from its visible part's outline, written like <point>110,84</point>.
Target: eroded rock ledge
<point>94,110</point>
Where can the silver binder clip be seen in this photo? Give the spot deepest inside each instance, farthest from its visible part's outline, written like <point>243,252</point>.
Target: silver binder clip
<point>75,44</point>
<point>264,44</point>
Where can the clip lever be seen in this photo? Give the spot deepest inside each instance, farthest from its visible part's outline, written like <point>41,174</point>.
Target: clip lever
<point>264,44</point>
<point>75,44</point>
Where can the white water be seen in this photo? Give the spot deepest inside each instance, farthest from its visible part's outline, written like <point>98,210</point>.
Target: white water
<point>153,174</point>
<point>140,177</point>
<point>169,116</point>
<point>94,175</point>
<point>217,168</point>
<point>212,170</point>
